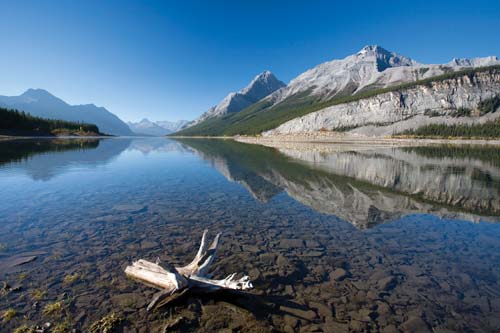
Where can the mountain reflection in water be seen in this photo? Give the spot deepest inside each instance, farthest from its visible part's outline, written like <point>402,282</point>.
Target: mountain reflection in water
<point>366,186</point>
<point>44,158</point>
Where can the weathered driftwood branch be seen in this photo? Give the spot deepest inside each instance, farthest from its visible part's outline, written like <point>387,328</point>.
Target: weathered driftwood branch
<point>175,281</point>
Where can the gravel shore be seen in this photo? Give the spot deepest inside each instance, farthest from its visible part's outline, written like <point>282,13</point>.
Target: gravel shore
<point>311,140</point>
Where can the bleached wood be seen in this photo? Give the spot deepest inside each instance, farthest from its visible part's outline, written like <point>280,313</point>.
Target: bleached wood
<point>175,281</point>
<point>155,275</point>
<point>227,283</point>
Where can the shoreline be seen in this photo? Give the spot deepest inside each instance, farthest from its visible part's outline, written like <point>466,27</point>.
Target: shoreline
<point>23,137</point>
<point>315,138</point>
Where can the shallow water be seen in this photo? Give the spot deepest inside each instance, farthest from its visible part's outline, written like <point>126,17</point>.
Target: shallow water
<point>347,239</point>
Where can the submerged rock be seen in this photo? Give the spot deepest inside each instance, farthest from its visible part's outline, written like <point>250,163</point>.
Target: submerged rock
<point>338,274</point>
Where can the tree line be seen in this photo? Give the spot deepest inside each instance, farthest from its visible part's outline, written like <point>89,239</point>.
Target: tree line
<point>20,120</point>
<point>490,129</point>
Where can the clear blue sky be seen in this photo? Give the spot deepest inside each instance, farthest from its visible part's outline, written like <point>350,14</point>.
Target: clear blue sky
<point>173,60</point>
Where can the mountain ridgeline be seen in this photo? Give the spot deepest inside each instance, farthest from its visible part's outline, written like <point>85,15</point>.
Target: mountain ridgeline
<point>373,92</point>
<point>40,103</point>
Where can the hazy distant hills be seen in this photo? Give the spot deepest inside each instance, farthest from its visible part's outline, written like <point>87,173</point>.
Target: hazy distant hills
<point>41,103</point>
<point>156,128</point>
<point>373,87</point>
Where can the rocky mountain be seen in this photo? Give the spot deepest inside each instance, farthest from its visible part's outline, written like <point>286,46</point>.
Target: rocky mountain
<point>393,112</point>
<point>41,103</point>
<point>371,68</point>
<point>368,72</point>
<point>348,75</point>
<point>262,85</point>
<point>156,128</point>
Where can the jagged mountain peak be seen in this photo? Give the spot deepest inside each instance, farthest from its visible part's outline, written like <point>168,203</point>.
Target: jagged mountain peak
<point>345,76</point>
<point>385,59</point>
<point>264,76</point>
<point>372,48</point>
<point>261,86</point>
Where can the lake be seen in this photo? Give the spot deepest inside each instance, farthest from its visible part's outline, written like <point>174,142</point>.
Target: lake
<point>335,238</point>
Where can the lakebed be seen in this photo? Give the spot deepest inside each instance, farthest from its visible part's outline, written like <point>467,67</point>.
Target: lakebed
<point>330,240</point>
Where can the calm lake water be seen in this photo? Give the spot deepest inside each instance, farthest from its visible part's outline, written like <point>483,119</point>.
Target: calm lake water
<point>344,238</point>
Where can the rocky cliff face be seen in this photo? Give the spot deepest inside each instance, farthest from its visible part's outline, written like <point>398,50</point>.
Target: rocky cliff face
<point>439,99</point>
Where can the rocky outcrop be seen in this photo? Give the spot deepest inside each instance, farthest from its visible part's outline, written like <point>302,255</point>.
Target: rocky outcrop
<point>440,98</point>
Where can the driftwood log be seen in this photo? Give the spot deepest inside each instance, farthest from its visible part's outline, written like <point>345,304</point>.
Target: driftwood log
<point>175,281</point>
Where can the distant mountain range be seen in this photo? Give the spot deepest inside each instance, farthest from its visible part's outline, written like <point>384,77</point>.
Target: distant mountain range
<point>335,85</point>
<point>41,103</point>
<point>156,128</point>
